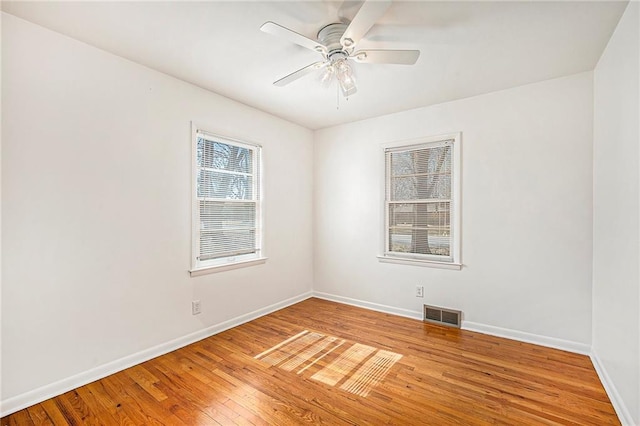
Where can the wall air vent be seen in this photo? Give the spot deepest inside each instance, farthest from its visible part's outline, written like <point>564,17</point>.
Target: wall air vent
<point>442,316</point>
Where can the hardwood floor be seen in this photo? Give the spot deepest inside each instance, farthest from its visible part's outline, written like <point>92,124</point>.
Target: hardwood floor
<point>266,372</point>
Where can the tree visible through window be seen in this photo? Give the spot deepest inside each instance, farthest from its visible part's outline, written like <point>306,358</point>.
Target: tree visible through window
<point>420,201</point>
<point>227,209</point>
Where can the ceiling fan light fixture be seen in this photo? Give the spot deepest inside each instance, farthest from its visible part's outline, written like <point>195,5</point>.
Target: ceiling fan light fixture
<point>327,75</point>
<point>348,88</point>
<point>345,77</point>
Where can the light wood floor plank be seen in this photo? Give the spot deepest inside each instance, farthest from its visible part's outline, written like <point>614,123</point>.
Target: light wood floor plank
<point>38,416</point>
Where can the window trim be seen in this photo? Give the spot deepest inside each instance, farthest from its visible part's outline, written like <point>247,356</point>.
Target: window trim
<point>456,219</point>
<point>231,262</point>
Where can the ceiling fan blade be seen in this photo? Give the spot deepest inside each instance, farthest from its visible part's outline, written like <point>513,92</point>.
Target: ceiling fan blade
<point>300,73</point>
<point>401,57</point>
<point>368,14</point>
<point>294,37</point>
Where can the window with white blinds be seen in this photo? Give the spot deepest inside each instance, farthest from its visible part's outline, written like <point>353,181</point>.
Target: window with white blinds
<point>226,201</point>
<point>421,192</point>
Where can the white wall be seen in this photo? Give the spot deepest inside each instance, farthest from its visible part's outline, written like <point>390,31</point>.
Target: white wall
<point>102,146</point>
<point>96,209</point>
<point>616,227</point>
<point>526,212</point>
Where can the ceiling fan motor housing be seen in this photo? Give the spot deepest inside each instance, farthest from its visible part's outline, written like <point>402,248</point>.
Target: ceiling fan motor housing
<point>330,36</point>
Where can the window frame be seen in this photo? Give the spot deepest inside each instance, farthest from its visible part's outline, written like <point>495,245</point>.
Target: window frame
<point>453,261</point>
<point>208,266</point>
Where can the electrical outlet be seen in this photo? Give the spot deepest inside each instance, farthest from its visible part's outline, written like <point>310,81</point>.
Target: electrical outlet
<point>195,307</point>
<point>419,291</point>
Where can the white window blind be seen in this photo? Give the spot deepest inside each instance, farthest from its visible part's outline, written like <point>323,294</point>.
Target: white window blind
<point>227,200</point>
<point>419,201</point>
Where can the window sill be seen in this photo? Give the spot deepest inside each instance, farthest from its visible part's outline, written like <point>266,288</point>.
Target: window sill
<point>226,267</point>
<point>417,262</point>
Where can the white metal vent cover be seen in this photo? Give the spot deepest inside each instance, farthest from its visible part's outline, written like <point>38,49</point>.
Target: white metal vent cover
<point>442,316</point>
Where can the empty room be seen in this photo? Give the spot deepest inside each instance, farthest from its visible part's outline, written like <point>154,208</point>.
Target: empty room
<point>316,212</point>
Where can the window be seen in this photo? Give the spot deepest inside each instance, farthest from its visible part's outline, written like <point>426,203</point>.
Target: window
<point>422,189</point>
<point>226,202</point>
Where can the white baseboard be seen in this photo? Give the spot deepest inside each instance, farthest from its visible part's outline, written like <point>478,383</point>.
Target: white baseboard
<point>369,305</point>
<point>522,336</point>
<point>616,400</point>
<point>27,399</point>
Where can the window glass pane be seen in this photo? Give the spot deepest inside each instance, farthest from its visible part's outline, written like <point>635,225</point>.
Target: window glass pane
<point>422,228</point>
<point>221,215</point>
<point>218,155</point>
<point>425,187</point>
<point>227,228</point>
<point>225,243</point>
<point>423,160</point>
<point>420,174</point>
<point>218,184</point>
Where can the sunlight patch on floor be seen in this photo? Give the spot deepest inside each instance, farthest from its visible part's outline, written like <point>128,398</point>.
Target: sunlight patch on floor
<point>356,368</point>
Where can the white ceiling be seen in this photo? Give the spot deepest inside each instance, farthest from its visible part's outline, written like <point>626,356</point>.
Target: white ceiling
<point>468,48</point>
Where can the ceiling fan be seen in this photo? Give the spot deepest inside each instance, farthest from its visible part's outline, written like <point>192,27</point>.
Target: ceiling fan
<point>337,44</point>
